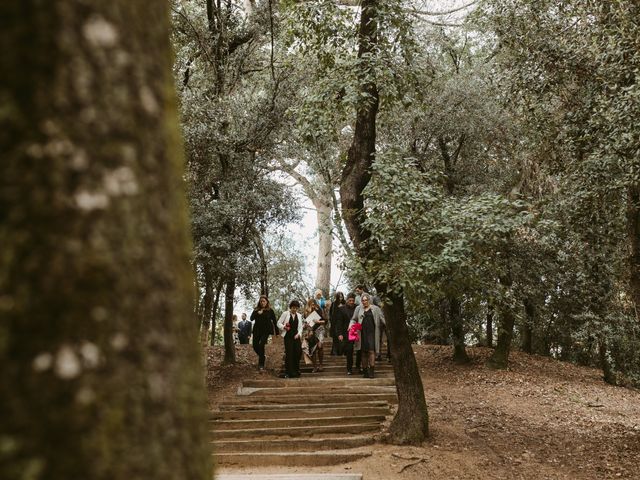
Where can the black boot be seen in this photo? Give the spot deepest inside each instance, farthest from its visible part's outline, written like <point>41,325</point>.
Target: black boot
<point>365,373</point>
<point>371,372</point>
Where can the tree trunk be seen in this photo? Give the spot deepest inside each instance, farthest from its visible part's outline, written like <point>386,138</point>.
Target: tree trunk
<point>457,331</point>
<point>229,347</point>
<point>527,328</point>
<point>633,232</point>
<point>325,246</point>
<point>489,328</point>
<point>101,377</point>
<point>264,267</point>
<point>500,357</point>
<point>607,370</point>
<point>410,425</point>
<point>214,311</point>
<point>207,301</point>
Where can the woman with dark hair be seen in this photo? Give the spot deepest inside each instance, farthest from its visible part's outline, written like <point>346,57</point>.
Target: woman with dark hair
<point>338,300</point>
<point>290,324</point>
<point>264,325</point>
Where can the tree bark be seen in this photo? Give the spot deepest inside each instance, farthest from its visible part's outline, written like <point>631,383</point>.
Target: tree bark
<point>229,347</point>
<point>527,328</point>
<point>101,375</point>
<point>325,246</point>
<point>264,266</point>
<point>457,331</point>
<point>633,232</point>
<point>214,311</point>
<point>489,329</point>
<point>500,357</point>
<point>411,423</point>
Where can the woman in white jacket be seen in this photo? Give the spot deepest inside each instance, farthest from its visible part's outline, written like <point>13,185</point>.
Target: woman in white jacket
<point>290,325</point>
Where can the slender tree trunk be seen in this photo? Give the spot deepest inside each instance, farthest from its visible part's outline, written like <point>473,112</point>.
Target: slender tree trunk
<point>607,370</point>
<point>633,232</point>
<point>100,377</point>
<point>325,246</point>
<point>229,347</point>
<point>411,423</point>
<point>214,311</point>
<point>264,266</point>
<point>457,331</point>
<point>489,329</point>
<point>207,303</point>
<point>500,357</point>
<point>527,328</point>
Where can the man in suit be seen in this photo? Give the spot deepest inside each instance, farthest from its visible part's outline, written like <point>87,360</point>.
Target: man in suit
<point>343,316</point>
<point>244,330</point>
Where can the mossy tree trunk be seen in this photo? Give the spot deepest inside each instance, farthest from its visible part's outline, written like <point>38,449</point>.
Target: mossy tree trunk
<point>101,375</point>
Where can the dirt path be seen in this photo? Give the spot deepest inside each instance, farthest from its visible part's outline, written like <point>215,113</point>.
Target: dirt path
<point>541,419</point>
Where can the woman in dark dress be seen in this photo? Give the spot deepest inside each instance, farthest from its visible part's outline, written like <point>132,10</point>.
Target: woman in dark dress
<point>264,325</point>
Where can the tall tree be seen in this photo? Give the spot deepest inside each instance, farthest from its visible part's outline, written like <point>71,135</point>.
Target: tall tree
<point>411,423</point>
<point>100,377</point>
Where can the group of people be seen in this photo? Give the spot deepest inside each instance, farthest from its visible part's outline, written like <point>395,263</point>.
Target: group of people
<point>356,322</point>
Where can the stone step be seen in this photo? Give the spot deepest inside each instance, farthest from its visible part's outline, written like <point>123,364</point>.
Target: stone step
<point>318,382</point>
<point>352,410</point>
<point>342,373</point>
<point>285,445</point>
<point>313,390</point>
<point>291,459</point>
<point>250,407</point>
<point>308,421</point>
<point>304,431</point>
<point>315,397</point>
<point>343,367</point>
<point>287,476</point>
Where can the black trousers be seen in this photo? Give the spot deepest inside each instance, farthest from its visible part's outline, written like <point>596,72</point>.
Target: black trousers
<point>347,351</point>
<point>292,354</point>
<point>244,340</point>
<point>259,342</point>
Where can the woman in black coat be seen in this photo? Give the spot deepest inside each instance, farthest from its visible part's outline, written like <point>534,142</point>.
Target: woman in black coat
<point>264,325</point>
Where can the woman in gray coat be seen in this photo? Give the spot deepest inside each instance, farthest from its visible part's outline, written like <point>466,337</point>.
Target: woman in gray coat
<point>371,318</point>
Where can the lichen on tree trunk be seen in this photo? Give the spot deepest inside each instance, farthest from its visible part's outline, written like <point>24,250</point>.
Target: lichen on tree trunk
<point>101,374</point>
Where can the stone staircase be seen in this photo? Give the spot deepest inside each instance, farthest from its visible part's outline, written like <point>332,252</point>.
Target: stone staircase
<point>322,418</point>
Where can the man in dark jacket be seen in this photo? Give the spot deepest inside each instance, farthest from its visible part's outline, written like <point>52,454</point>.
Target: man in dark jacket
<point>244,330</point>
<point>343,317</point>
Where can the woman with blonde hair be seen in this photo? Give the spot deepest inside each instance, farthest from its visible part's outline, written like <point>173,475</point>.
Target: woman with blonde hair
<point>314,333</point>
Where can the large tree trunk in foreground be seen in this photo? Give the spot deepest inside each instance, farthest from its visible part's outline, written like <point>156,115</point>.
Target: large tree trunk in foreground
<point>410,425</point>
<point>101,375</point>
<point>489,326</point>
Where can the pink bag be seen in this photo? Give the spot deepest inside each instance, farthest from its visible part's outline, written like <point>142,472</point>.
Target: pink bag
<point>354,332</point>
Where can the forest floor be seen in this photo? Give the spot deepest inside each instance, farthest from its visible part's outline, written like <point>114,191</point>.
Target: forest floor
<point>540,419</point>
